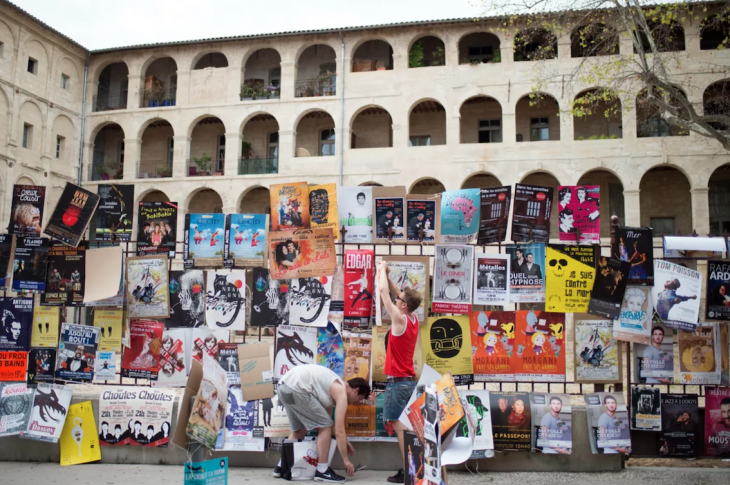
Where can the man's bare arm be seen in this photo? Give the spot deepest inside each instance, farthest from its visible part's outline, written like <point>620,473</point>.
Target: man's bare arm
<point>339,395</point>
<point>383,287</point>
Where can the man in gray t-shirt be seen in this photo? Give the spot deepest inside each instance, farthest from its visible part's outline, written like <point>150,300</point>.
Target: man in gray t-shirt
<point>654,353</point>
<point>551,422</point>
<point>607,422</point>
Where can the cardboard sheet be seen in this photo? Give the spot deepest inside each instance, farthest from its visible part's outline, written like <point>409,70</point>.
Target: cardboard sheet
<point>103,273</point>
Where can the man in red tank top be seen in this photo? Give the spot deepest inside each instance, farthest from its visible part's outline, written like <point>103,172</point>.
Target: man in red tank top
<point>400,345</point>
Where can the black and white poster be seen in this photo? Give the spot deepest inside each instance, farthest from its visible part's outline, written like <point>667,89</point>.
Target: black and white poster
<point>26,213</point>
<point>491,279</point>
<point>15,406</point>
<point>72,214</point>
<point>645,409</point>
<point>269,300</point>
<point>16,318</point>
<point>493,214</point>
<point>452,279</point>
<point>294,346</point>
<point>609,288</point>
<point>635,246</point>
<point>115,212</point>
<point>30,264</point>
<point>309,301</point>
<point>187,299</point>
<point>681,427</point>
<point>50,408</point>
<point>225,299</point>
<point>66,275</point>
<point>718,290</point>
<point>531,213</point>
<point>228,360</point>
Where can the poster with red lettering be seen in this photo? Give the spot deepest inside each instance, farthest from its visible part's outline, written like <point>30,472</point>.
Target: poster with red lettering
<point>359,281</point>
<point>493,342</point>
<point>540,338</point>
<point>301,254</point>
<point>142,358</point>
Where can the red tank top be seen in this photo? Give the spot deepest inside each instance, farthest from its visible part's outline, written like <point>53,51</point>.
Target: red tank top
<point>399,356</point>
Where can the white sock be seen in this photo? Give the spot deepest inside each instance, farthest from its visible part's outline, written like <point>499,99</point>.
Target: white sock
<point>279,463</point>
<point>322,467</point>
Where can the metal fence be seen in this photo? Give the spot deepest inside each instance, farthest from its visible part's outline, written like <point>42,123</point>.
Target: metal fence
<point>108,102</point>
<point>258,166</point>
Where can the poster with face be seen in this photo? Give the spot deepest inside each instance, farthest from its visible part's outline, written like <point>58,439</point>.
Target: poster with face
<point>635,246</point>
<point>446,347</point>
<point>174,363</point>
<point>452,279</point>
<point>608,423</point>
<point>309,301</point>
<point>359,282</point>
<point>241,431</point>
<point>389,214</point>
<point>187,299</point>
<point>541,346</point>
<point>203,240</point>
<point>414,458</point>
<point>553,422</point>
<point>460,216</point>
<point>493,214</point>
<point>26,212</point>
<point>137,416</point>
<point>680,425</point>
<point>531,213</point>
<point>148,287</point>
<point>511,421</point>
<point>115,212</point>
<point>109,321</point>
<point>527,272</point>
<point>676,294</point>
<point>718,290</point>
<point>358,349</point>
<point>41,365</point>
<point>294,346</point>
<point>225,301</point>
<point>579,210</point>
<point>16,317</point>
<point>245,240</point>
<point>596,354</point>
<point>142,358</point>
<point>323,207</point>
<point>654,362</point>
<point>66,275</point>
<point>608,290</point>
<point>289,206</point>
<point>76,352</point>
<point>156,228</point>
<point>273,417</point>
<point>645,408</point>
<point>494,349</point>
<point>699,355</point>
<point>72,214</point>
<point>269,300</point>
<point>301,254</point>
<point>634,321</point>
<point>569,277</point>
<point>422,217</point>
<point>49,412</point>
<point>330,349</point>
<point>206,341</point>
<point>491,279</point>
<point>30,264</point>
<point>7,254</point>
<point>409,272</point>
<point>355,206</point>
<point>717,421</point>
<point>15,407</point>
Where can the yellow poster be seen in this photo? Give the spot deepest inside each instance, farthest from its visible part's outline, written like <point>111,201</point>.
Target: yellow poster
<point>360,419</point>
<point>378,354</point>
<point>110,323</point>
<point>569,276</point>
<point>45,326</point>
<point>323,207</point>
<point>79,442</point>
<point>446,344</point>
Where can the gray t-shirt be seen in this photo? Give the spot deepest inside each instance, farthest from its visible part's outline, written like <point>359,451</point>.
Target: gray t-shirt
<point>651,353</point>
<point>550,422</point>
<point>606,421</point>
<point>313,379</point>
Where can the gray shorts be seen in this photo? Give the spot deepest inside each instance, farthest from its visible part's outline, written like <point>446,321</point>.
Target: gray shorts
<point>303,409</point>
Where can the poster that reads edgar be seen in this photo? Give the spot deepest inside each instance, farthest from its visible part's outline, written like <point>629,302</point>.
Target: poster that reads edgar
<point>676,295</point>
<point>579,210</point>
<point>137,416</point>
<point>494,349</point>
<point>301,253</point>
<point>446,346</point>
<point>527,272</point>
<point>452,279</point>
<point>359,273</point>
<point>570,275</point>
<point>718,290</point>
<point>531,213</point>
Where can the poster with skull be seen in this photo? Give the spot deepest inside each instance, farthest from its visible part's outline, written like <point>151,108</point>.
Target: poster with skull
<point>187,299</point>
<point>225,300</point>
<point>460,216</point>
<point>294,346</point>
<point>569,277</point>
<point>269,300</point>
<point>309,301</point>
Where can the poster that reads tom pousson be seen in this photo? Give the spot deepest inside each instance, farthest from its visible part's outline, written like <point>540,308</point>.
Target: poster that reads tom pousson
<point>289,206</point>
<point>156,228</point>
<point>49,412</point>
<point>76,352</point>
<point>452,279</point>
<point>142,358</point>
<point>409,272</point>
<point>301,254</point>
<point>676,295</point>
<point>115,212</point>
<point>596,354</point>
<point>718,290</point>
<point>72,214</point>
<point>717,422</point>
<point>527,272</point>
<point>174,358</point>
<point>446,346</point>
<point>66,275</point>
<point>136,416</point>
<point>699,355</point>
<point>569,277</point>
<point>654,362</point>
<point>634,321</point>
<point>323,207</point>
<point>494,349</point>
<point>579,211</point>
<point>680,425</point>
<point>359,281</point>
<point>646,408</point>
<point>26,213</point>
<point>493,214</point>
<point>511,420</point>
<point>225,301</point>
<point>245,240</point>
<point>531,213</point>
<point>148,287</point>
<point>608,423</point>
<point>491,279</point>
<point>355,207</point>
<point>203,240</point>
<point>15,405</point>
<point>635,246</point>
<point>460,216</point>
<point>609,287</point>
<point>209,408</point>
<point>541,348</point>
<point>552,421</point>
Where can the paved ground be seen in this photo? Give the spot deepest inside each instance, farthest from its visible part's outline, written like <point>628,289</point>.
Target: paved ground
<point>51,473</point>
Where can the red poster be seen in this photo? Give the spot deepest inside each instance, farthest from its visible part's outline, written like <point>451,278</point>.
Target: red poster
<point>142,358</point>
<point>579,212</point>
<point>359,281</point>
<point>540,346</point>
<point>493,337</point>
<point>13,366</point>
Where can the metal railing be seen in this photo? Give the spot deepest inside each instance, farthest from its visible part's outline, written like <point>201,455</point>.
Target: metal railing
<point>155,99</point>
<point>257,166</point>
<point>109,102</point>
<point>325,85</point>
<point>259,91</point>
<point>106,171</point>
<point>193,170</point>
<point>152,169</point>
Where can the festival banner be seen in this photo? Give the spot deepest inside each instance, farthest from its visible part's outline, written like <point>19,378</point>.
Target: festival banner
<point>494,213</point>
<point>359,287</point>
<point>409,272</point>
<point>358,349</point>
<point>269,300</point>
<point>156,228</point>
<point>609,287</point>
<point>460,216</point>
<point>142,358</point>
<point>174,358</point>
<point>79,442</point>
<point>245,240</point>
<point>225,301</point>
<point>301,253</point>
<point>294,346</point>
<point>608,423</point>
<point>446,346</point>
<point>49,412</point>
<point>389,214</point>
<point>511,420</point>
<point>41,365</point>
<point>45,327</point>
<point>76,352</point>
<point>115,212</point>
<point>187,299</point>
<point>26,211</point>
<point>491,279</point>
<point>452,279</point>
<point>676,294</point>
<point>228,360</point>
<point>30,264</point>
<point>273,417</point>
<point>15,405</point>
<point>209,408</point>
<point>699,355</point>
<point>493,341</point>
<point>596,354</point>
<point>309,300</point>
<point>646,410</point>
<point>552,421</point>
<point>72,214</point>
<point>241,431</point>
<point>360,420</point>
<point>13,365</point>
<point>423,218</point>
<point>680,425</point>
<point>16,318</point>
<point>105,367</point>
<point>654,362</point>
<point>330,349</point>
<point>289,206</point>
<point>531,213</point>
<point>579,213</point>
<point>66,276</point>
<point>148,287</point>
<point>717,421</point>
<point>7,256</point>
<point>636,246</point>
<point>380,335</point>
<point>569,279</point>
<point>110,322</point>
<point>203,240</point>
<point>355,207</point>
<point>526,272</point>
<point>323,207</point>
<point>136,416</point>
<point>718,290</point>
<point>541,346</point>
<point>206,341</point>
<point>634,321</point>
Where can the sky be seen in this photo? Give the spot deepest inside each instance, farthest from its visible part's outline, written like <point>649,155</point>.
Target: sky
<point>100,24</point>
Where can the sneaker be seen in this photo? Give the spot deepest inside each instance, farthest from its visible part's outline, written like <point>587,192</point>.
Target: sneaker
<point>399,477</point>
<point>328,476</point>
<point>277,471</point>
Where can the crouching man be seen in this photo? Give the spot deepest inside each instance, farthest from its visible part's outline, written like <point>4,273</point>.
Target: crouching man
<point>308,393</point>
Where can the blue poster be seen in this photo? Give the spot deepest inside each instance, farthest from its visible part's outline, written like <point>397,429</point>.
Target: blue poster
<point>204,235</point>
<point>209,472</point>
<point>245,240</point>
<point>460,216</point>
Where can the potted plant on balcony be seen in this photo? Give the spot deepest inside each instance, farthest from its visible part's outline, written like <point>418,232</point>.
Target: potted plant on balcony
<point>248,92</point>
<point>102,172</point>
<point>164,172</point>
<point>245,149</point>
<point>203,164</point>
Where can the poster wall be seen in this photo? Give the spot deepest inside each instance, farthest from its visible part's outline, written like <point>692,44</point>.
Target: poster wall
<point>174,358</point>
<point>491,279</point>
<point>596,354</point>
<point>49,412</point>
<point>302,253</point>
<point>422,217</point>
<point>72,214</point>
<point>16,317</point>
<point>203,240</point>
<point>142,358</point>
<point>541,348</point>
<point>608,423</point>
<point>680,425</point>
<point>527,272</point>
<point>494,346</point>
<point>30,264</point>
<point>634,321</point>
<point>493,214</point>
<point>76,352</point>
<point>289,206</point>
<point>635,246</point>
<point>26,212</point>
<point>225,301</point>
<point>579,210</point>
<point>115,212</point>
<point>460,216</point>
<point>269,300</point>
<point>294,346</point>
<point>609,288</point>
<point>552,421</point>
<point>531,213</point>
<point>676,294</point>
<point>570,275</point>
<point>187,299</point>
<point>646,411</point>
<point>511,420</point>
<point>699,355</point>
<point>355,207</point>
<point>136,416</point>
<point>156,228</point>
<point>359,272</point>
<point>446,346</point>
<point>245,240</point>
<point>66,275</point>
<point>323,207</point>
<point>452,279</point>
<point>717,421</point>
<point>148,287</point>
<point>718,290</point>
<point>654,362</point>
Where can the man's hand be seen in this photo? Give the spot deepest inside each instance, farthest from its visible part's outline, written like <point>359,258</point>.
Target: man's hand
<point>350,449</point>
<point>350,468</point>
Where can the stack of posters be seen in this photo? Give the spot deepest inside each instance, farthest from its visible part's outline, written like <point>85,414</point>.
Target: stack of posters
<point>72,214</point>
<point>460,216</point>
<point>245,240</point>
<point>608,423</point>
<point>646,408</point>
<point>553,423</point>
<point>494,213</point>
<point>413,465</point>
<point>115,212</point>
<point>26,212</point>
<point>452,279</point>
<point>527,277</point>
<point>137,416</point>
<point>676,294</point>
<point>76,352</point>
<point>203,240</point>
<point>289,206</point>
<point>156,228</point>
<point>680,425</point>
<point>579,213</point>
<point>717,422</point>
<point>531,213</point>
<point>355,206</point>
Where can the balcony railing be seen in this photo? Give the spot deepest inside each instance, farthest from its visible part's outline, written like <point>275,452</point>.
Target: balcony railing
<point>152,169</point>
<point>106,171</point>
<point>154,99</point>
<point>259,91</point>
<point>258,166</point>
<point>108,102</point>
<point>194,170</point>
<point>324,85</point>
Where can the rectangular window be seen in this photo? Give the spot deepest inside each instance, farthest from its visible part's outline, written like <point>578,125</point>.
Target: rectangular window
<point>60,141</point>
<point>662,225</point>
<point>490,131</point>
<point>27,135</point>
<point>327,143</point>
<point>274,145</point>
<point>64,81</point>
<point>221,152</point>
<point>539,129</point>
<point>481,53</point>
<point>419,141</point>
<point>32,66</point>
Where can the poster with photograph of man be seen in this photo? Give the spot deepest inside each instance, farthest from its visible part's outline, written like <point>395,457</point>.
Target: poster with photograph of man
<point>491,279</point>
<point>681,426</point>
<point>645,408</point>
<point>609,287</point>
<point>635,246</point>
<point>676,294</point>
<point>511,420</point>
<point>717,421</point>
<point>423,218</point>
<point>654,362</point>
<point>76,352</point>
<point>16,318</point>
<point>552,423</point>
<point>718,290</point>
<point>355,207</point>
<point>579,210</point>
<point>608,423</point>
<point>26,212</point>
<point>389,214</point>
<point>527,277</point>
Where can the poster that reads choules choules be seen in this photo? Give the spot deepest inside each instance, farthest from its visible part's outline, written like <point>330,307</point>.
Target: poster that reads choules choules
<point>156,228</point>
<point>527,272</point>
<point>552,421</point>
<point>452,279</point>
<point>460,216</point>
<point>245,240</point>
<point>491,279</point>
<point>26,213</point>
<point>16,317</point>
<point>608,423</point>
<point>76,352</point>
<point>72,214</point>
<point>635,246</point>
<point>676,295</point>
<point>531,213</point>
<point>135,416</point>
<point>355,207</point>
<point>596,354</point>
<point>541,348</point>
<point>717,422</point>
<point>569,277</point>
<point>359,271</point>
<point>115,212</point>
<point>494,349</point>
<point>609,287</point>
<point>446,347</point>
<point>203,240</point>
<point>718,290</point>
<point>579,211</point>
<point>301,253</point>
<point>511,420</point>
<point>493,214</point>
<point>30,264</point>
<point>66,275</point>
<point>289,206</point>
<point>323,207</point>
<point>422,217</point>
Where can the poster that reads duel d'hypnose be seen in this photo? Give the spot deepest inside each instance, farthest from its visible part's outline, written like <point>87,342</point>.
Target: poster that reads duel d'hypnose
<point>452,279</point>
<point>718,290</point>
<point>156,228</point>
<point>26,213</point>
<point>493,214</point>
<point>203,240</point>
<point>526,272</point>
<point>245,241</point>
<point>579,210</point>
<point>115,212</point>
<point>531,213</point>
<point>72,215</point>
<point>359,281</point>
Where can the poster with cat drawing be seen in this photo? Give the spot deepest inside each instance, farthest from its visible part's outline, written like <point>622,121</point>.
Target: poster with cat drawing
<point>309,300</point>
<point>225,303</point>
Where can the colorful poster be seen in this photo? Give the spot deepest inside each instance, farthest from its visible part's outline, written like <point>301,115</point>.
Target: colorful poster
<point>174,358</point>
<point>675,294</point>
<point>225,301</point>
<point>301,254</point>
<point>45,327</point>
<point>245,240</point>
<point>66,275</point>
<point>203,240</point>
<point>493,346</point>
<point>494,213</point>
<point>72,214</point>
<point>358,349</point>
<point>49,412</point>
<point>541,346</point>
<point>446,347</point>
<point>452,279</point>
<point>634,321</point>
<point>414,459</point>
<point>309,301</point>
<point>330,349</point>
<point>241,431</point>
<point>646,411</point>
<point>148,287</point>
<point>569,277</point>
<point>680,425</point>
<point>409,272</point>
<point>228,360</point>
<point>608,423</point>
<point>360,420</point>
<point>156,228</point>
<point>15,405</point>
<point>552,420</point>
<point>609,287</point>
<point>699,355</point>
<point>478,404</point>
<point>273,417</point>
<point>718,290</point>
<point>137,416</point>
<point>105,367</point>
<point>30,264</point>
<point>460,216</point>
<point>294,346</point>
<point>511,420</point>
<point>142,358</point>
<point>355,207</point>
<point>491,279</point>
<point>531,213</point>
<point>209,472</point>
<point>41,365</point>
<point>269,300</point>
<point>110,322</point>
<point>16,317</point>
<point>596,354</point>
<point>359,286</point>
<point>79,442</point>
<point>26,211</point>
<point>421,218</point>
<point>379,346</point>
<point>717,421</point>
<point>7,256</point>
<point>389,217</point>
<point>13,366</point>
<point>323,207</point>
<point>654,363</point>
<point>209,408</point>
<point>206,341</point>
<point>115,212</point>
<point>289,206</point>
<point>635,246</point>
<point>527,272</point>
<point>187,299</point>
<point>579,210</point>
<point>76,352</point>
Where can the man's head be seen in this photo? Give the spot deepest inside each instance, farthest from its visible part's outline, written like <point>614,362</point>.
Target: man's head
<point>15,328</point>
<point>420,217</point>
<point>117,431</point>
<point>566,217</point>
<point>725,411</point>
<point>408,301</point>
<point>389,214</point>
<point>529,257</point>
<point>518,254</point>
<point>610,403</point>
<point>79,352</point>
<point>167,226</point>
<point>657,335</point>
<point>361,198</point>
<point>502,402</point>
<point>672,284</point>
<point>556,404</point>
<point>357,389</point>
<point>289,245</point>
<point>137,426</point>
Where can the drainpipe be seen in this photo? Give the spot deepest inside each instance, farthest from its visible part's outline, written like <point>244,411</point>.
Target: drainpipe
<point>342,110</point>
<point>83,121</point>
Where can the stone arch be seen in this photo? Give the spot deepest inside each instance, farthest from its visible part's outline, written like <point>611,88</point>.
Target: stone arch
<point>593,39</point>
<point>210,58</point>
<point>370,184</point>
<point>427,185</point>
<point>68,67</point>
<point>7,36</point>
<point>432,51</point>
<point>668,36</point>
<point>316,71</point>
<point>152,195</point>
<point>32,114</point>
<point>198,119</point>
<point>714,32</point>
<point>112,86</point>
<point>104,64</point>
<point>254,200</point>
<point>261,68</point>
<point>63,127</point>
<point>543,107</point>
<point>611,195</point>
<point>107,160</point>
<point>156,152</point>
<point>203,200</point>
<point>372,54</point>
<point>649,122</point>
<point>480,120</point>
<point>716,101</point>
<point>719,200</point>
<point>480,180</point>
<point>427,118</point>
<point>665,200</point>
<point>207,138</point>
<point>146,124</point>
<point>5,122</point>
<point>315,134</point>
<point>35,49</point>
<point>534,44</point>
<point>25,179</point>
<point>375,132</point>
<point>160,87</point>
<point>602,117</point>
<point>487,43</point>
<point>259,141</point>
<point>546,179</point>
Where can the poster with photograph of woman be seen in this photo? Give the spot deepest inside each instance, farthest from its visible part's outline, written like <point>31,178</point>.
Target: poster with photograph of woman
<point>174,363</point>
<point>156,228</point>
<point>635,246</point>
<point>26,212</point>
<point>511,420</point>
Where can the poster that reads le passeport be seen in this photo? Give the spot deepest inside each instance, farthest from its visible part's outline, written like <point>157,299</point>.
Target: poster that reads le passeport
<point>136,416</point>
<point>494,346</point>
<point>511,420</point>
